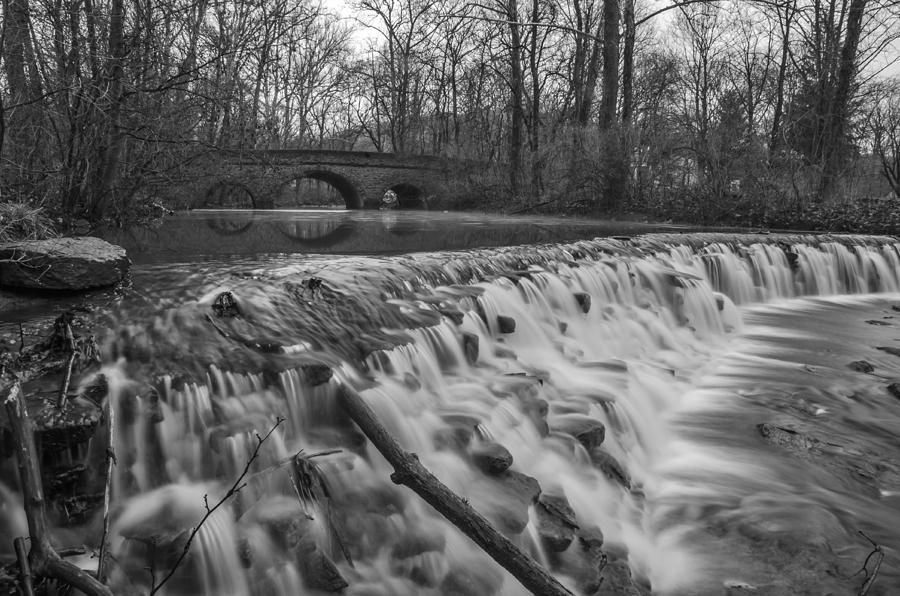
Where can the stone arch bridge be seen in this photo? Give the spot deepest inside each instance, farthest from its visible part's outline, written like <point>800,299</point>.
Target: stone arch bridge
<point>256,179</point>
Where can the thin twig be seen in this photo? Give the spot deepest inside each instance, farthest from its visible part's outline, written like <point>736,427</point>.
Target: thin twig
<point>878,554</point>
<point>63,392</point>
<point>235,488</point>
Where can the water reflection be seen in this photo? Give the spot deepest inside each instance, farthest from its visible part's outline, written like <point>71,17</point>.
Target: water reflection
<point>218,233</point>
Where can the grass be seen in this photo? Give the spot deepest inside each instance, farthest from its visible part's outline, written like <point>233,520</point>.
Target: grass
<point>20,221</point>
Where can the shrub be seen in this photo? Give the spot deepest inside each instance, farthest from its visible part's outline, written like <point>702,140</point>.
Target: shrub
<point>21,221</point>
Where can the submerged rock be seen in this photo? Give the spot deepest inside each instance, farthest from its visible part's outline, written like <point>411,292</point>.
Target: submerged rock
<point>610,467</point>
<point>861,366</point>
<point>588,431</point>
<point>62,264</point>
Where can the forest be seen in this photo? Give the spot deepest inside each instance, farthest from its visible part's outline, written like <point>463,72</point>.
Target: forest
<point>755,112</point>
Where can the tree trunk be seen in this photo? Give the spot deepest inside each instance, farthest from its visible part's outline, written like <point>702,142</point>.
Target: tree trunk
<point>834,153</point>
<point>611,16</point>
<point>628,62</point>
<point>537,164</point>
<point>110,155</point>
<point>517,113</point>
<point>778,110</point>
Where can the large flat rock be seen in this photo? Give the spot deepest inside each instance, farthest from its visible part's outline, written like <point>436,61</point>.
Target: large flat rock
<point>62,264</point>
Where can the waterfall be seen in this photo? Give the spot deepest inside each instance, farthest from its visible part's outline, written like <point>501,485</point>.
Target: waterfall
<point>595,365</point>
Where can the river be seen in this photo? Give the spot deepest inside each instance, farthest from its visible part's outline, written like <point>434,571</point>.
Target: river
<point>743,385</point>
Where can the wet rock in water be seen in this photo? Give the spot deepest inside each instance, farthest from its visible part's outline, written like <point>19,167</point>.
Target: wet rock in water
<point>417,541</point>
<point>320,573</point>
<point>890,350</point>
<point>226,306</point>
<point>512,495</point>
<point>506,324</point>
<point>470,347</point>
<point>456,316</point>
<point>584,561</point>
<point>610,467</point>
<point>411,382</point>
<point>471,580</point>
<point>556,523</point>
<point>62,263</point>
<point>316,374</point>
<point>787,438</point>
<point>563,326</point>
<point>617,581</point>
<point>584,301</point>
<point>492,458</point>
<point>861,366</point>
<point>877,322</point>
<point>894,389</point>
<point>588,431</point>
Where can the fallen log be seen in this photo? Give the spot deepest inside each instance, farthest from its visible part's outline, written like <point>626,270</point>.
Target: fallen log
<point>410,472</point>
<point>43,559</point>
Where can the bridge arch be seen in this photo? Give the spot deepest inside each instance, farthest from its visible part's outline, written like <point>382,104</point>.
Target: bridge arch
<point>409,196</point>
<point>340,183</point>
<point>229,194</point>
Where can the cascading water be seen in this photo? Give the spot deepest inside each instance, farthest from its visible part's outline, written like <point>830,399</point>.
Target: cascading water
<point>658,392</point>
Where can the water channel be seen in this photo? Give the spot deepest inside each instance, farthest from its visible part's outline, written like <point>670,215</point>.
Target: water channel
<point>746,384</point>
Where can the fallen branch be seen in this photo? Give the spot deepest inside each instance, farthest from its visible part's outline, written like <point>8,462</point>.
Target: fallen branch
<point>411,473</point>
<point>235,488</point>
<point>42,558</point>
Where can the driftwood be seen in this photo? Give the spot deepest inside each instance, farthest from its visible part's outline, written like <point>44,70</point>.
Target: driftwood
<point>411,473</point>
<point>43,560</point>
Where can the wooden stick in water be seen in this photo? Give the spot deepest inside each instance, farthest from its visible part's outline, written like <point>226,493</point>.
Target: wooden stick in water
<point>411,473</point>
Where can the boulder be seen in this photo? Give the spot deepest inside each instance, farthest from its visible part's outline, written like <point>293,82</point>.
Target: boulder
<point>62,264</point>
<point>492,458</point>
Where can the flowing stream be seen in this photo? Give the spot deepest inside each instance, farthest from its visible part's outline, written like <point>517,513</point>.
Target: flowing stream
<point>745,443</point>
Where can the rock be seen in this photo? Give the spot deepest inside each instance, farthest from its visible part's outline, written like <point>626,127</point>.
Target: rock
<point>584,301</point>
<point>418,541</point>
<point>563,327</point>
<point>492,458</point>
<point>617,581</point>
<point>316,374</point>
<point>610,467</point>
<point>720,301</point>
<point>226,306</point>
<point>320,573</point>
<point>588,431</point>
<point>512,495</point>
<point>787,438</point>
<point>556,522</point>
<point>890,350</point>
<point>62,263</point>
<point>470,347</point>
<point>454,315</point>
<point>506,324</point>
<point>894,389</point>
<point>861,366</point>
<point>471,580</point>
<point>877,322</point>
